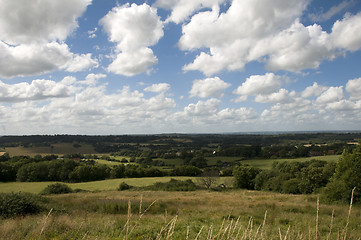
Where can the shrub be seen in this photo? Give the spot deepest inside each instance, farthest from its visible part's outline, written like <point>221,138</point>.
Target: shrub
<point>124,186</point>
<point>291,186</point>
<point>56,188</point>
<point>174,185</point>
<point>20,204</point>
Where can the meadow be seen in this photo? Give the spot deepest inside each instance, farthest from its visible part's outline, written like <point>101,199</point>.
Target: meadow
<point>233,214</point>
<point>105,185</point>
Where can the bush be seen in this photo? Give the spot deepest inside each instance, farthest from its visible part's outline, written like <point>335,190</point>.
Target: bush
<point>56,188</point>
<point>20,204</point>
<point>124,186</point>
<point>291,186</point>
<point>173,185</point>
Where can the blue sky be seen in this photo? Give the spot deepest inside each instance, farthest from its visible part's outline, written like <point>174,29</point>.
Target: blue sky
<point>186,66</point>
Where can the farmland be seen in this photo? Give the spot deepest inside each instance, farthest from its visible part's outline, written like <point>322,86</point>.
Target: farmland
<point>223,170</point>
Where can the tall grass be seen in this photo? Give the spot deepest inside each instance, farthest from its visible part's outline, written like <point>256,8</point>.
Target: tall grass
<point>198,215</point>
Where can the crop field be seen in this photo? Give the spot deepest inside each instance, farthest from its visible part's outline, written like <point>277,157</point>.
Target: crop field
<point>234,214</point>
<point>56,148</point>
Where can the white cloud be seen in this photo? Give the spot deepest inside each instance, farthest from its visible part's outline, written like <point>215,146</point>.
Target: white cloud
<point>133,28</point>
<point>36,90</point>
<point>354,88</point>
<point>230,36</point>
<point>159,87</point>
<point>24,60</point>
<point>259,84</point>
<point>130,63</point>
<point>313,91</point>
<point>32,35</point>
<point>297,48</point>
<point>209,87</point>
<point>32,59</point>
<point>92,79</point>
<point>81,62</point>
<point>346,33</point>
<point>333,94</point>
<point>344,105</point>
<point>282,96</point>
<point>182,9</point>
<point>237,116</point>
<point>92,34</point>
<point>25,21</point>
<point>203,108</point>
<point>265,31</point>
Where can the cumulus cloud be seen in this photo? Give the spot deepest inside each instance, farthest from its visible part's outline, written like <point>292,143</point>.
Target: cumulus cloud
<point>36,90</point>
<point>32,35</point>
<point>265,31</point>
<point>81,62</point>
<point>282,96</point>
<point>313,91</point>
<point>159,87</point>
<point>133,62</point>
<point>331,95</point>
<point>346,33</point>
<point>25,21</point>
<point>208,117</point>
<point>238,116</point>
<point>209,87</point>
<point>182,9</point>
<point>32,59</point>
<point>203,108</point>
<point>260,84</point>
<point>134,29</point>
<point>354,88</point>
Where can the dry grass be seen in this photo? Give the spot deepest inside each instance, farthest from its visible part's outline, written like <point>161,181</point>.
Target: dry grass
<point>188,215</point>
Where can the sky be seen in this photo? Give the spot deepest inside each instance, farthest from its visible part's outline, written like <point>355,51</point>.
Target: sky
<point>103,67</point>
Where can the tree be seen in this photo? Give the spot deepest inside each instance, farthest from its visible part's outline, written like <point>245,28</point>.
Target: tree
<point>346,177</point>
<point>244,176</point>
<point>208,178</point>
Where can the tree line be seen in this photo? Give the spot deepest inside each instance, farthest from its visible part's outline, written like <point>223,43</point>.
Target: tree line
<point>51,168</point>
<point>334,181</point>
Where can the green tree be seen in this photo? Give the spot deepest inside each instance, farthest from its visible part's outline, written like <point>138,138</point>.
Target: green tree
<point>244,176</point>
<point>346,177</point>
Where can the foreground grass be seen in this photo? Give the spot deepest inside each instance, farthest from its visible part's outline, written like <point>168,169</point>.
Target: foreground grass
<point>186,215</point>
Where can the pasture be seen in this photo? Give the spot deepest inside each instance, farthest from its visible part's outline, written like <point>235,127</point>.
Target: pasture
<point>105,185</point>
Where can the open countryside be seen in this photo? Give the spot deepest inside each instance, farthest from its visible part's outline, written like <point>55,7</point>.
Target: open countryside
<point>214,186</point>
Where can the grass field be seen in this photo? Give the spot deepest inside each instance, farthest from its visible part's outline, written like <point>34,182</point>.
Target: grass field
<point>186,215</point>
<point>105,185</point>
<point>267,163</point>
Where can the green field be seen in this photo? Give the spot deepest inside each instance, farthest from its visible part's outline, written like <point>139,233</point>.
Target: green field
<point>267,163</point>
<point>105,185</point>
